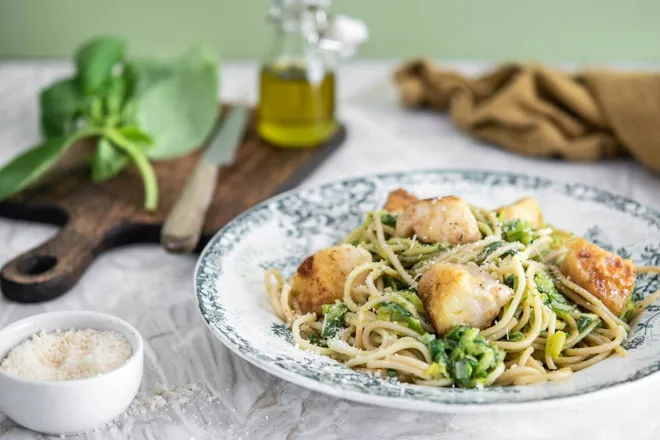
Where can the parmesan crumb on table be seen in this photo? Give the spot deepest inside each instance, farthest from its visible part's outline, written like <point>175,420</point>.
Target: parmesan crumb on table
<point>161,397</point>
<point>67,355</point>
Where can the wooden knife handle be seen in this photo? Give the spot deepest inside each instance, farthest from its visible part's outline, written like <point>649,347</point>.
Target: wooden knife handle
<point>183,226</point>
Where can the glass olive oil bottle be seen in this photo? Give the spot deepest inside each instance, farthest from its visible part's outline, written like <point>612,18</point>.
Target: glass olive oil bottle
<point>296,109</point>
<point>297,80</point>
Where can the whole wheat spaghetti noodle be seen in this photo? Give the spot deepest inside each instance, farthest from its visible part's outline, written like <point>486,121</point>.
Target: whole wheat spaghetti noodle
<point>376,318</point>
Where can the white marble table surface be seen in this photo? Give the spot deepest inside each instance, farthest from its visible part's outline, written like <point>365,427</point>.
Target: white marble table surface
<point>153,290</point>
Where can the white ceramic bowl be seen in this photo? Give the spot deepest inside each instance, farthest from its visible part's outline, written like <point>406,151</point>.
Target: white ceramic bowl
<point>73,406</point>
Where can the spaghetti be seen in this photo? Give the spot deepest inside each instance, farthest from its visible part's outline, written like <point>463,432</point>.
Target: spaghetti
<point>549,328</point>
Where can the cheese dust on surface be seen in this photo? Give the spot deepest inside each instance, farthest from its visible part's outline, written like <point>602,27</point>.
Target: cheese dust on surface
<point>161,397</point>
<point>67,355</point>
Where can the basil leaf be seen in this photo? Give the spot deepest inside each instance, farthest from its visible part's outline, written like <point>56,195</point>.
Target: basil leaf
<point>26,168</point>
<point>509,253</point>
<point>134,134</point>
<point>108,161</point>
<point>96,113</point>
<point>128,113</point>
<point>60,104</point>
<point>140,75</point>
<point>388,219</point>
<point>95,61</point>
<point>115,95</point>
<point>583,322</point>
<point>180,110</point>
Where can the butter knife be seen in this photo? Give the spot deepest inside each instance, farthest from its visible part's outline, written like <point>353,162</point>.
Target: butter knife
<point>184,223</point>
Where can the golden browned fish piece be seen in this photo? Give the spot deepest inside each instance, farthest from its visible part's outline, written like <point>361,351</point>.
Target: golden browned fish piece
<point>398,200</point>
<point>527,209</point>
<point>604,274</point>
<point>456,295</point>
<point>448,219</point>
<point>320,278</point>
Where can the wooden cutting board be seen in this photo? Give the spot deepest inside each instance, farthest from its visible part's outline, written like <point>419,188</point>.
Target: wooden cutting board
<point>97,217</point>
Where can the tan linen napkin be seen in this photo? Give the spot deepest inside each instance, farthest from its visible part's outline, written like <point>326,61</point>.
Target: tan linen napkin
<point>539,111</point>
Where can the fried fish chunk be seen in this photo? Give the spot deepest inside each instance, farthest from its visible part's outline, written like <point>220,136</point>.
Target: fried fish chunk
<point>398,200</point>
<point>604,274</point>
<point>448,219</point>
<point>455,295</point>
<point>527,209</point>
<point>320,278</point>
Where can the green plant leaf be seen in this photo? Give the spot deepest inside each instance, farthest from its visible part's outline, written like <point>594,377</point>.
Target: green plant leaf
<point>179,112</point>
<point>149,179</point>
<point>26,168</point>
<point>199,57</point>
<point>61,104</point>
<point>135,135</point>
<point>179,107</point>
<point>96,111</point>
<point>108,161</point>
<point>141,75</point>
<point>115,95</point>
<point>129,112</point>
<point>95,61</point>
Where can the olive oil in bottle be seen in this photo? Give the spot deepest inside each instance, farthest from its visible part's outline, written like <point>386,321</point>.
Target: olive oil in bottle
<point>296,110</point>
<point>297,79</point>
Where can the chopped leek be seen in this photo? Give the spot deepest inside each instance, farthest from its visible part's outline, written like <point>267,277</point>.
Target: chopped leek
<point>555,344</point>
<point>515,337</point>
<point>464,356</point>
<point>518,230</point>
<point>333,319</point>
<point>551,296</point>
<point>393,283</point>
<point>487,251</point>
<point>389,311</point>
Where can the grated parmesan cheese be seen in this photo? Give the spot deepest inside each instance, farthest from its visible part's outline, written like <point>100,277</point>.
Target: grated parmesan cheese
<point>162,397</point>
<point>67,355</point>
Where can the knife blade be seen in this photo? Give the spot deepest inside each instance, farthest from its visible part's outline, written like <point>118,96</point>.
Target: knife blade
<point>183,225</point>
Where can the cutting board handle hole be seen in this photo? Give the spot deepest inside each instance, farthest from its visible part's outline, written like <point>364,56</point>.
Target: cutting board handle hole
<point>37,265</point>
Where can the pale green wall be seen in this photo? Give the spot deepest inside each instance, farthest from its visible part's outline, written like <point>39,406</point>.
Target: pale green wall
<point>572,30</point>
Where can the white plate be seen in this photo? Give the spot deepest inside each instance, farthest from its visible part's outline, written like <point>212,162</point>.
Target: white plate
<point>282,231</point>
